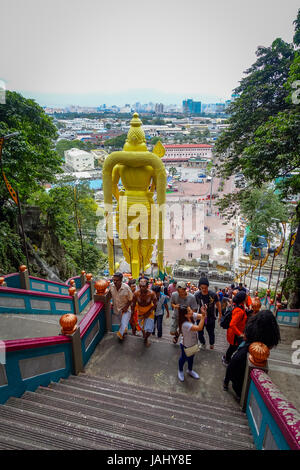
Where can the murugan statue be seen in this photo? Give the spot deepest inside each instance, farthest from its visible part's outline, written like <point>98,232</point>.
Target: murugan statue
<point>139,219</point>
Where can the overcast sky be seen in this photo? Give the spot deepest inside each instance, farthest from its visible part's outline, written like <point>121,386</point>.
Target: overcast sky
<point>79,51</point>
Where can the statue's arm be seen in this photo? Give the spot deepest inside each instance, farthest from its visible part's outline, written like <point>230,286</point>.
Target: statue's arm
<point>115,180</point>
<point>153,183</point>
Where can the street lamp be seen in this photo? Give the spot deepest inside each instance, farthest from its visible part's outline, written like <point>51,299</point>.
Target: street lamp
<point>211,186</point>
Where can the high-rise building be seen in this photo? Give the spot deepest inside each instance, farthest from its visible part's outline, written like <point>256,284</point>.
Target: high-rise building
<point>190,106</point>
<point>159,108</point>
<point>197,107</point>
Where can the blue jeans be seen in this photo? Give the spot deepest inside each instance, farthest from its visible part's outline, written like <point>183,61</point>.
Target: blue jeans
<point>184,358</point>
<point>158,320</point>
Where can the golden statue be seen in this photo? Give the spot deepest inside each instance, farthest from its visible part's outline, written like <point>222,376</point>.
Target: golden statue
<point>141,172</point>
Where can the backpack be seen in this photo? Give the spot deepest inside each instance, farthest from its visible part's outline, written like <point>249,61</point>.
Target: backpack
<point>226,319</point>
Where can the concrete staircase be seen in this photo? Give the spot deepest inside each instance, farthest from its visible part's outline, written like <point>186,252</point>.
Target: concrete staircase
<point>91,412</point>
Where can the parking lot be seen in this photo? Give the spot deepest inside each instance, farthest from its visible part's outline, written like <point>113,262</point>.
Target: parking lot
<point>212,241</point>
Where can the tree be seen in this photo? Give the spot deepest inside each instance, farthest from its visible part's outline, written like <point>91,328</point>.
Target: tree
<point>64,144</point>
<point>261,95</point>
<point>154,140</point>
<point>59,216</point>
<point>172,171</point>
<point>29,159</point>
<point>117,142</point>
<point>263,137</point>
<point>264,212</point>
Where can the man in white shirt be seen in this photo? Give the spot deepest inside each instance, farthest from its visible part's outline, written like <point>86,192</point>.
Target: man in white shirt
<point>121,298</point>
<point>181,297</point>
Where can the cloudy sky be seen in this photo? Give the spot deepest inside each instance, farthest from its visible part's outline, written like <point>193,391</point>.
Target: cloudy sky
<point>89,52</point>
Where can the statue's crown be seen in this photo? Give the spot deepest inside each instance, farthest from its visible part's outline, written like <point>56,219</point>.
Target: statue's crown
<point>136,141</point>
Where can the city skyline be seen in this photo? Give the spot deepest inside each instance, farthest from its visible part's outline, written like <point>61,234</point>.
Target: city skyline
<point>64,53</point>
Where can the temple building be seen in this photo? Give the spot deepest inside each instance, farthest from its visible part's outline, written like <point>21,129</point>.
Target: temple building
<point>188,154</point>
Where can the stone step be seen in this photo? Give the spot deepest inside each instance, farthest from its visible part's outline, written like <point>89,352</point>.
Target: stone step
<point>145,396</point>
<point>8,442</point>
<point>24,435</point>
<point>148,392</point>
<point>159,427</point>
<point>76,435</point>
<point>107,399</point>
<point>154,413</point>
<point>158,438</point>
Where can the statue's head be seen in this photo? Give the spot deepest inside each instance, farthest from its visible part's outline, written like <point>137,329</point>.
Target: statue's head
<point>136,140</point>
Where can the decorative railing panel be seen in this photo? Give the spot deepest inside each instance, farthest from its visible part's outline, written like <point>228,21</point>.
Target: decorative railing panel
<point>92,330</point>
<point>43,285</point>
<point>32,362</point>
<point>274,421</point>
<point>24,301</point>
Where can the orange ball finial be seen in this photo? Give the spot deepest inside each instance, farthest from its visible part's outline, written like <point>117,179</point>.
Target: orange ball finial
<point>89,277</point>
<point>258,354</point>
<point>101,286</point>
<point>72,291</point>
<point>2,279</point>
<point>22,268</point>
<point>68,322</point>
<point>256,304</point>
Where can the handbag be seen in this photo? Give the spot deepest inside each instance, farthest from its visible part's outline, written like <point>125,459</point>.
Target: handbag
<point>191,350</point>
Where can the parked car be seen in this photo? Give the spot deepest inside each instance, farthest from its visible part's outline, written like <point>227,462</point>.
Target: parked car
<point>228,276</point>
<point>213,274</point>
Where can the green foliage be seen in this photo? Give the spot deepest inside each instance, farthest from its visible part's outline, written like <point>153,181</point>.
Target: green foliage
<point>94,260</point>
<point>172,171</point>
<point>263,141</point>
<point>117,142</point>
<point>11,250</point>
<point>154,140</point>
<point>291,283</point>
<point>58,209</point>
<point>261,95</point>
<point>64,144</point>
<point>264,213</point>
<point>209,166</point>
<point>58,213</point>
<point>158,122</point>
<point>29,159</point>
<point>262,292</point>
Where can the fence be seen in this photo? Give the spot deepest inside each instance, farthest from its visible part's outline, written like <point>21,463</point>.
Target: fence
<point>29,363</point>
<point>274,422</point>
<point>42,300</point>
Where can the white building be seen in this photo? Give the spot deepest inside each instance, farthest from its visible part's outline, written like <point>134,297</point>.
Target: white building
<point>79,160</point>
<point>185,152</point>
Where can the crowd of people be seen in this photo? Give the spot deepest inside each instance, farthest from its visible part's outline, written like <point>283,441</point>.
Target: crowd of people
<point>142,304</point>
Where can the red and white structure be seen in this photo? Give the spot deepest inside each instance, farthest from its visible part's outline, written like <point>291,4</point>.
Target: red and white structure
<point>187,153</point>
